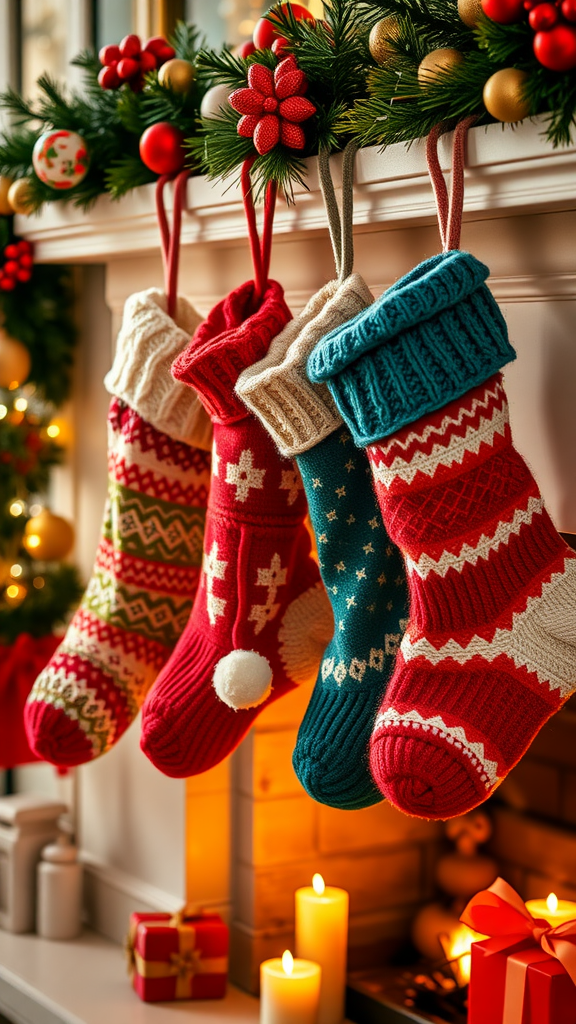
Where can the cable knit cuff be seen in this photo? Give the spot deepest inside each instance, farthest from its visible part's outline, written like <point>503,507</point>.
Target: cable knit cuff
<point>231,338</point>
<point>429,339</point>
<point>148,342</point>
<point>295,413</point>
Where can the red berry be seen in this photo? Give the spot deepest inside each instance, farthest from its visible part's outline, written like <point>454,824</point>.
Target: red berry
<point>10,267</point>
<point>165,53</point>
<point>266,32</point>
<point>245,48</point>
<point>109,55</point>
<point>25,246</point>
<point>154,45</point>
<point>26,260</point>
<point>127,68</point>
<point>130,46</point>
<point>505,12</point>
<point>279,46</point>
<point>108,78</point>
<point>147,61</point>
<point>569,10</point>
<point>11,251</point>
<point>7,284</point>
<point>23,276</point>
<point>556,49</point>
<point>543,17</point>
<point>161,148</point>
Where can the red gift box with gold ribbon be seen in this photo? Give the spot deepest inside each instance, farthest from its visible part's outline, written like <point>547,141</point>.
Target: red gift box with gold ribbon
<point>525,971</point>
<point>178,956</point>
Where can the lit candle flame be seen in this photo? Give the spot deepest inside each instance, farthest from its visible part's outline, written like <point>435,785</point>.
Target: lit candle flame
<point>457,950</point>
<point>287,962</point>
<point>552,903</point>
<point>318,884</point>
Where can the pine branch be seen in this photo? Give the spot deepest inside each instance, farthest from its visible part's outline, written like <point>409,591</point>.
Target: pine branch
<point>187,41</point>
<point>127,173</point>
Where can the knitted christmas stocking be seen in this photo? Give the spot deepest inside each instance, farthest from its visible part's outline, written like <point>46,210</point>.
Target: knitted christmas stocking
<point>490,649</point>
<point>362,571</point>
<point>148,558</point>
<point>261,618</point>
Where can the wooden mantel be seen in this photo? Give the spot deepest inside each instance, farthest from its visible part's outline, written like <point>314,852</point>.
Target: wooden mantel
<point>509,172</point>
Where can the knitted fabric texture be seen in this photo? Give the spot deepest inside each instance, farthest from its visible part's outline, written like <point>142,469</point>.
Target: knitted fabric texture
<point>148,342</point>
<point>362,571</point>
<point>138,599</point>
<point>432,336</point>
<point>260,601</point>
<point>490,650</point>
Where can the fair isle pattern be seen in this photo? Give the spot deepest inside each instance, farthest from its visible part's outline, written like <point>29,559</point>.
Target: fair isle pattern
<point>489,653</point>
<point>138,599</point>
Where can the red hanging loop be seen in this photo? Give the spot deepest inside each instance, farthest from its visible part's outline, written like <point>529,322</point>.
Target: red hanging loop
<point>450,209</point>
<point>260,249</point>
<point>170,240</point>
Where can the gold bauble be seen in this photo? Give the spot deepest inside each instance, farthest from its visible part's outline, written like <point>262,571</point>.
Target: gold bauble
<point>443,59</point>
<point>470,11</point>
<point>14,361</point>
<point>48,537</point>
<point>504,97</point>
<point>19,196</point>
<point>379,40</point>
<point>177,75</point>
<point>5,208</point>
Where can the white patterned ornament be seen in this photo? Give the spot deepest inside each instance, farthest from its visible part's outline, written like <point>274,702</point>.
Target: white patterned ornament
<point>60,158</point>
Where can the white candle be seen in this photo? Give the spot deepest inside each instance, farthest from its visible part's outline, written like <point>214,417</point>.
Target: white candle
<point>289,991</point>
<point>322,935</point>
<point>552,909</point>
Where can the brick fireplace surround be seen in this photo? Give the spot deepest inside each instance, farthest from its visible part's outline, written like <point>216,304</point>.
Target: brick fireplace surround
<point>241,838</point>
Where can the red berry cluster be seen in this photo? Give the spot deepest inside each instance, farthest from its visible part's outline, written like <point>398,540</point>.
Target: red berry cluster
<point>130,61</point>
<point>553,21</point>
<point>17,266</point>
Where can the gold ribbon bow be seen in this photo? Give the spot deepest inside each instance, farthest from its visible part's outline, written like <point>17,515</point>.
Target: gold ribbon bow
<point>500,913</point>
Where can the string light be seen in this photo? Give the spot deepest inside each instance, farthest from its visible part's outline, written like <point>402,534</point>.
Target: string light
<point>35,510</point>
<point>16,570</point>
<point>21,405</point>
<point>12,591</point>
<point>16,508</point>
<point>3,411</point>
<point>13,385</point>
<point>53,430</point>
<point>38,582</point>
<point>32,540</point>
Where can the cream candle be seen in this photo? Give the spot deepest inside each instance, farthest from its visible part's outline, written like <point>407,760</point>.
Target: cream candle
<point>322,936</point>
<point>552,909</point>
<point>289,991</point>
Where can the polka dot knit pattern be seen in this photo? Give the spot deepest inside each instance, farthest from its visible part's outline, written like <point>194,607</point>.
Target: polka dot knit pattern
<point>261,618</point>
<point>489,653</point>
<point>138,599</point>
<point>361,569</point>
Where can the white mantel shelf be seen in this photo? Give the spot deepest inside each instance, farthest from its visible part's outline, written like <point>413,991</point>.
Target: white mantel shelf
<point>509,172</point>
<point>85,982</point>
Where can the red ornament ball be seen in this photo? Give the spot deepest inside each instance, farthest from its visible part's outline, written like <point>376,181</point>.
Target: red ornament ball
<point>543,17</point>
<point>265,32</point>
<point>556,49</point>
<point>161,148</point>
<point>245,49</point>
<point>569,10</point>
<point>505,12</point>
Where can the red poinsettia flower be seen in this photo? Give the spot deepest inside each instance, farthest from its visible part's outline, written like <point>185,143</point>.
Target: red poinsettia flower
<point>273,106</point>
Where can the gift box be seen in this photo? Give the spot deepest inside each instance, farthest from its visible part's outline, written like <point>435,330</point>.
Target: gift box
<point>178,956</point>
<point>525,971</point>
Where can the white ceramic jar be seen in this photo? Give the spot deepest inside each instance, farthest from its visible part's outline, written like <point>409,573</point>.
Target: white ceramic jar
<point>59,904</point>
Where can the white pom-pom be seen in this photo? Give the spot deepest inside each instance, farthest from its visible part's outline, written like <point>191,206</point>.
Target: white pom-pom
<point>243,679</point>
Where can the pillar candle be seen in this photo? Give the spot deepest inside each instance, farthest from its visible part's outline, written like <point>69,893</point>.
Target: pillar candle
<point>289,991</point>
<point>552,909</point>
<point>322,935</point>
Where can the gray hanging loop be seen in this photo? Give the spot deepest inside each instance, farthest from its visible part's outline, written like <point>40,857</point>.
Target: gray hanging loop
<point>340,227</point>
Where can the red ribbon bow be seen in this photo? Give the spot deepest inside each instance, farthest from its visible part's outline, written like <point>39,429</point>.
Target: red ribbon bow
<point>500,913</point>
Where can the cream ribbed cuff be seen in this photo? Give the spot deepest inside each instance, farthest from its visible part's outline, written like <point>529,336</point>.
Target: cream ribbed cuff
<point>298,414</point>
<point>148,342</point>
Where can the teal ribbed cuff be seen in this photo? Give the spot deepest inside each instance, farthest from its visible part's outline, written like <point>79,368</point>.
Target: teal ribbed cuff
<point>426,341</point>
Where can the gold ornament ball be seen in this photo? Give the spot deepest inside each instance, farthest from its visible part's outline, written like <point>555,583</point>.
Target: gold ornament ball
<point>443,59</point>
<point>19,196</point>
<point>504,97</point>
<point>48,537</point>
<point>177,75</point>
<point>470,11</point>
<point>14,361</point>
<point>5,208</point>
<point>379,39</point>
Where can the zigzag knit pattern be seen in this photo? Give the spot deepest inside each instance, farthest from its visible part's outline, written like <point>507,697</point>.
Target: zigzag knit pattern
<point>429,338</point>
<point>260,611</point>
<point>138,599</point>
<point>490,649</point>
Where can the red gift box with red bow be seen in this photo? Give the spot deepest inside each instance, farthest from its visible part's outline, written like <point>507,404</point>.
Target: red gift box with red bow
<point>178,956</point>
<point>525,971</point>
